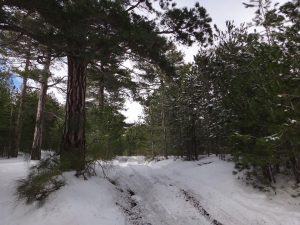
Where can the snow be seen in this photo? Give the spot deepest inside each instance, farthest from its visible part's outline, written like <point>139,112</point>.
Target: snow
<point>154,193</point>
<point>273,137</point>
<point>79,202</point>
<point>228,199</point>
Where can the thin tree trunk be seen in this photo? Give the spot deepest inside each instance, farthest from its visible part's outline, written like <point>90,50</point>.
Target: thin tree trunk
<point>151,130</point>
<point>164,134</point>
<point>39,122</point>
<point>101,93</point>
<point>19,121</point>
<point>295,168</point>
<point>73,142</point>
<point>194,140</point>
<point>11,131</point>
<point>163,120</point>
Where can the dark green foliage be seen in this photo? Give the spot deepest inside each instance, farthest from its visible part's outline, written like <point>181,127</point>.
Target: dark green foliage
<point>52,124</point>
<point>253,90</point>
<point>241,97</point>
<point>43,179</point>
<point>105,129</point>
<point>136,140</point>
<point>198,20</point>
<point>7,107</point>
<point>9,102</point>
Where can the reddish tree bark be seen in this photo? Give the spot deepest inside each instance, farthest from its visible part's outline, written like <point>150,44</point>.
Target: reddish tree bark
<point>73,142</point>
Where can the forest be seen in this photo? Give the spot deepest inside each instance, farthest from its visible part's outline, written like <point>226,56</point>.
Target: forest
<point>239,99</point>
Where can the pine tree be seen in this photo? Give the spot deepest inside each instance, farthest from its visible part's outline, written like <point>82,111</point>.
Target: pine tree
<point>39,123</point>
<point>86,30</point>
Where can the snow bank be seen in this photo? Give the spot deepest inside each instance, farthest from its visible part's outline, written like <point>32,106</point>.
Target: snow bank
<point>79,202</point>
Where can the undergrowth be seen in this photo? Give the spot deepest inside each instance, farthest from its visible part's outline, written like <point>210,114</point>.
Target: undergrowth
<point>43,179</point>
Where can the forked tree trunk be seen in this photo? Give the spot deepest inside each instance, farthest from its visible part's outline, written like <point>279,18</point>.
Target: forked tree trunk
<point>39,122</point>
<point>73,142</point>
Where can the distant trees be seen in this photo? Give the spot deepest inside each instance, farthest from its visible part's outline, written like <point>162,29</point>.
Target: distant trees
<point>7,109</point>
<point>10,101</point>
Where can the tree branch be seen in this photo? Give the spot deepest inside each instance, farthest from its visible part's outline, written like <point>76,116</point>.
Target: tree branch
<point>134,6</point>
<point>57,82</point>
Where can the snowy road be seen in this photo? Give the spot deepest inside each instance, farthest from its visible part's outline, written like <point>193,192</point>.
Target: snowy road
<point>157,193</point>
<point>158,201</point>
<point>199,193</point>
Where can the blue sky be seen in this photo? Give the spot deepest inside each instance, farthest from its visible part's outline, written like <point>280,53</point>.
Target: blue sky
<point>17,81</point>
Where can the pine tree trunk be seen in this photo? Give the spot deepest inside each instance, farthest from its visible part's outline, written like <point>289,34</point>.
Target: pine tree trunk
<point>163,121</point>
<point>101,95</point>
<point>39,122</point>
<point>151,130</point>
<point>194,140</point>
<point>295,168</point>
<point>19,121</point>
<point>73,143</point>
<point>11,131</point>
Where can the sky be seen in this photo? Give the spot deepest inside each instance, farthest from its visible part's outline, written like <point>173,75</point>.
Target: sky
<point>220,11</point>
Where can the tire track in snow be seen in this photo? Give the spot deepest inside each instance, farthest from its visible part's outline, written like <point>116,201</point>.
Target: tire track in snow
<point>149,207</point>
<point>158,203</point>
<point>192,200</point>
<point>130,207</point>
<point>189,197</point>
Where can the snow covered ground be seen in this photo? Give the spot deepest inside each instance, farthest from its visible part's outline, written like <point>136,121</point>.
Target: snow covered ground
<point>167,192</point>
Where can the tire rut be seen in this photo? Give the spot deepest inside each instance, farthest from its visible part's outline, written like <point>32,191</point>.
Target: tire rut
<point>130,207</point>
<point>190,198</point>
<point>142,212</point>
<point>196,203</point>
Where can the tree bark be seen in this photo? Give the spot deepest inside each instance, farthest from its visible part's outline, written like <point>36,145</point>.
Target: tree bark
<point>101,94</point>
<point>73,142</point>
<point>151,130</point>
<point>17,133</point>
<point>39,122</point>
<point>194,139</point>
<point>11,132</point>
<point>19,122</point>
<point>295,168</point>
<point>163,121</point>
